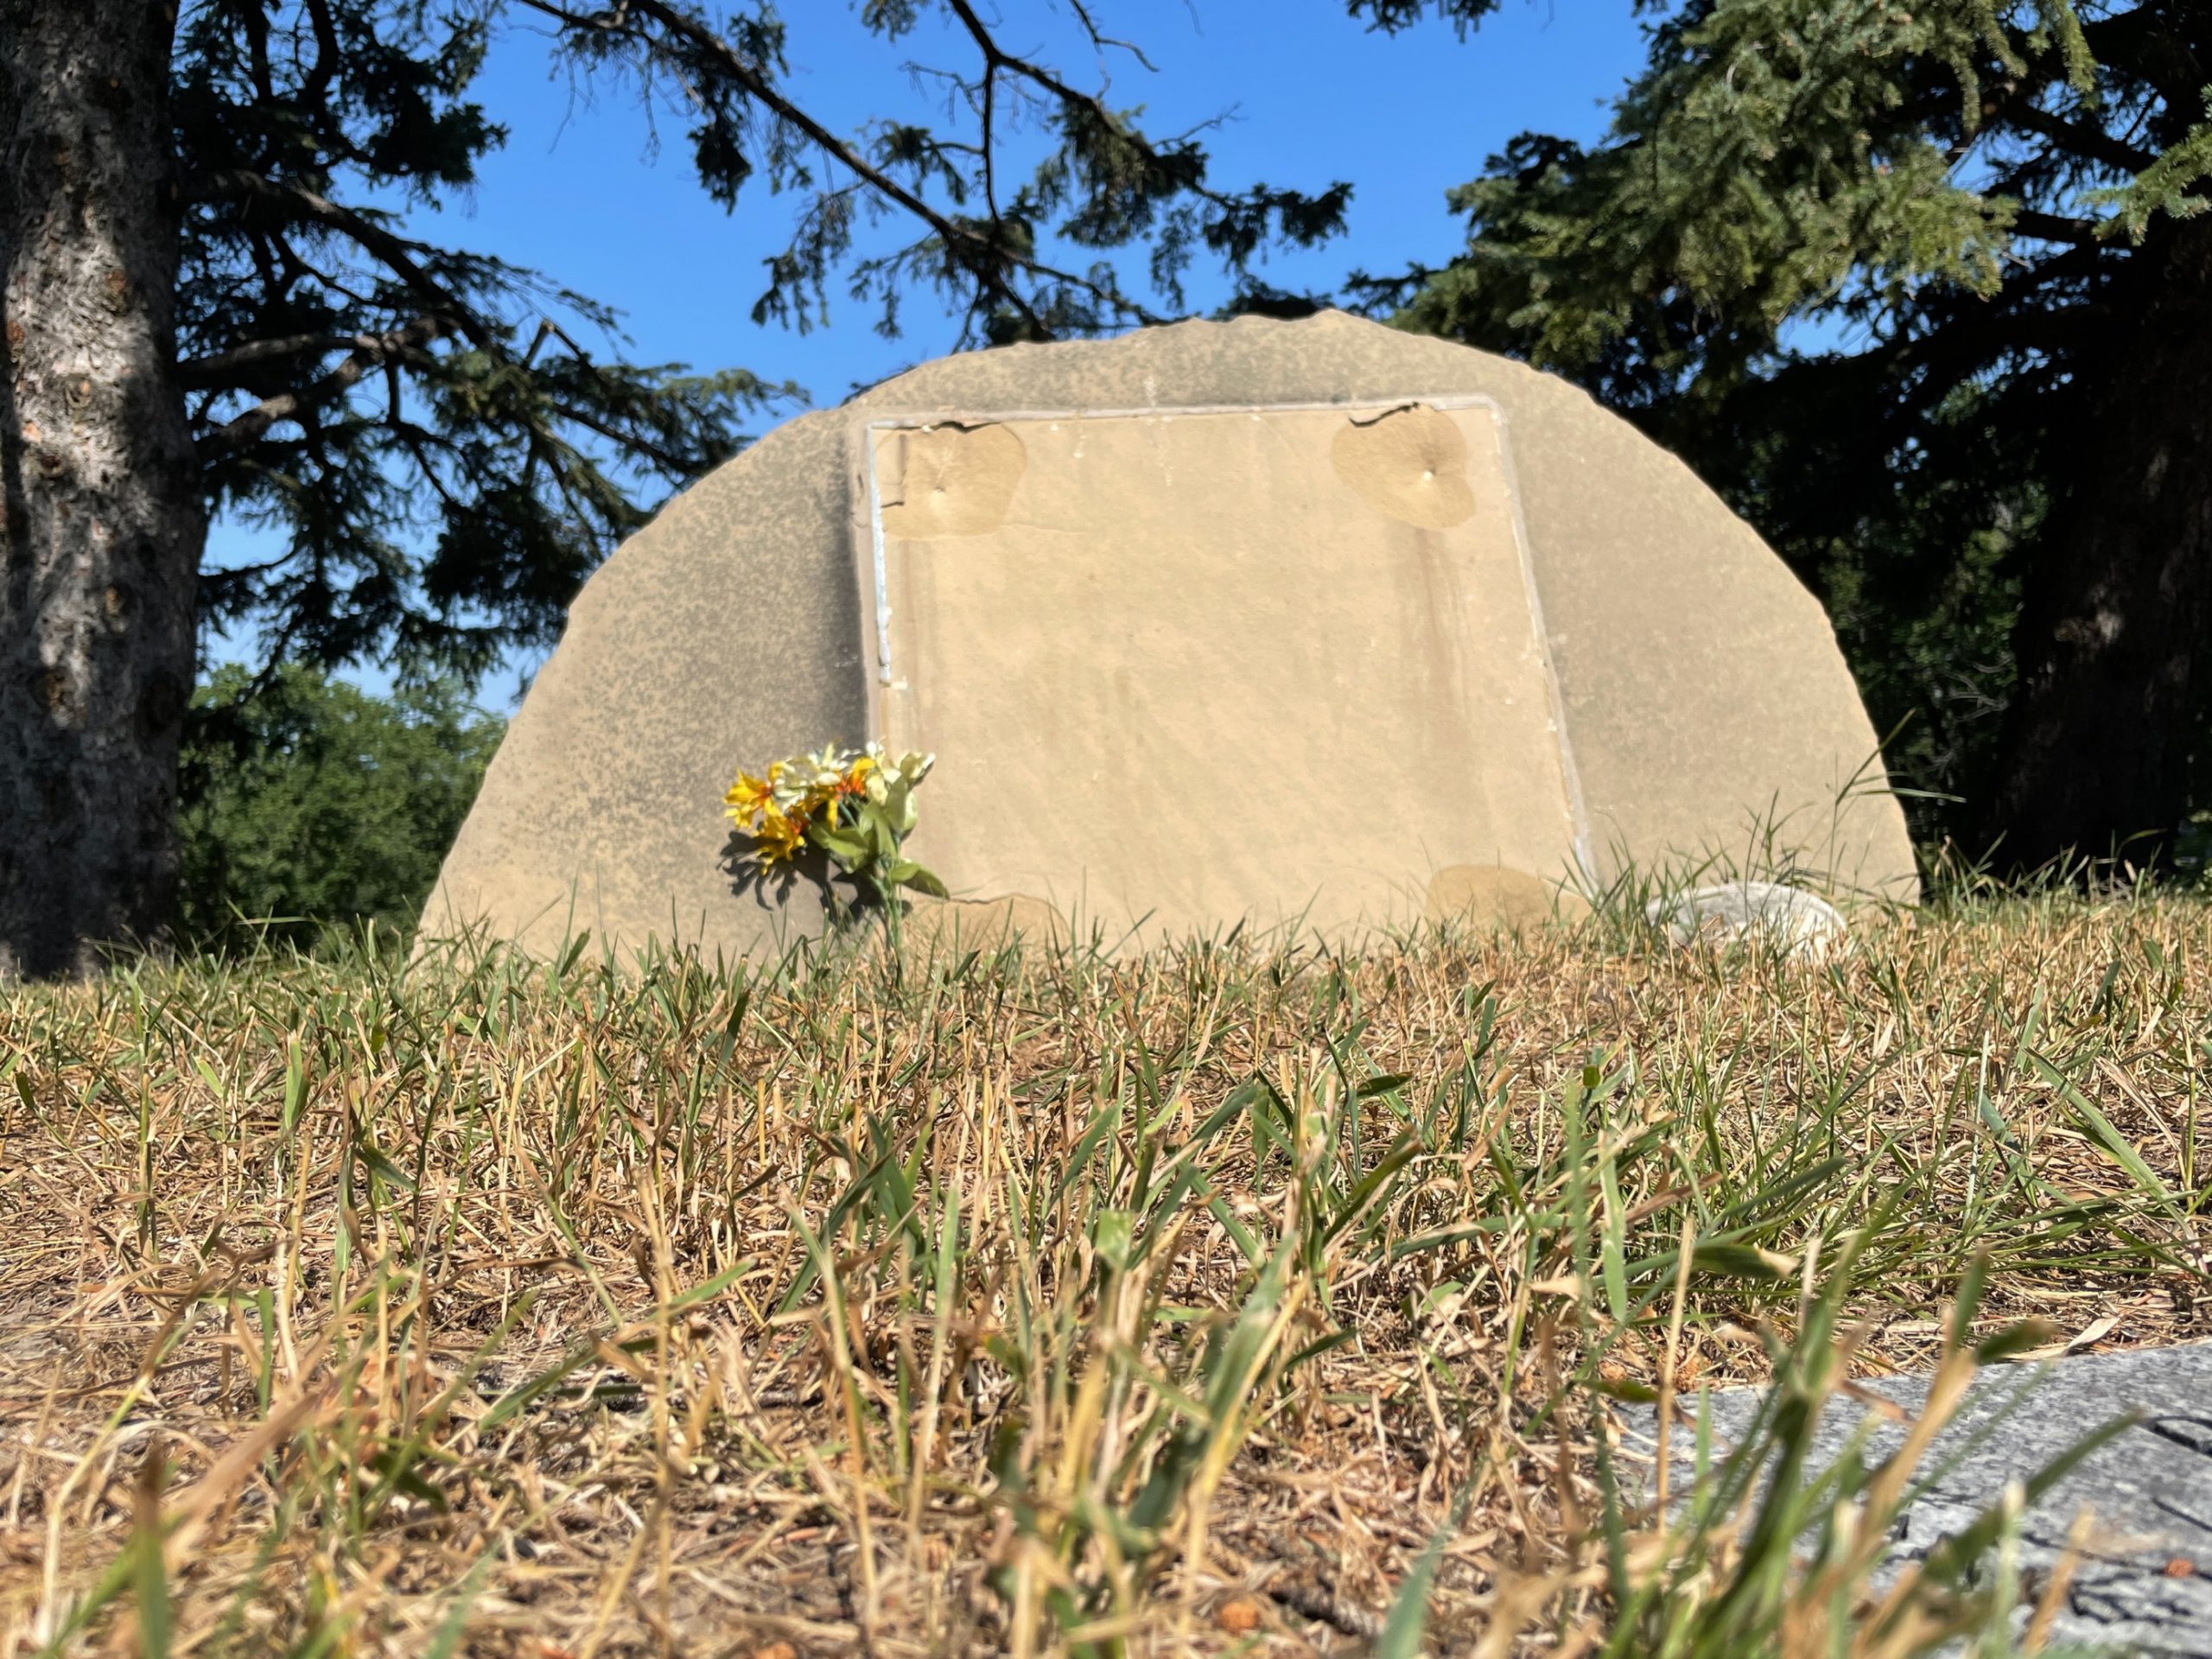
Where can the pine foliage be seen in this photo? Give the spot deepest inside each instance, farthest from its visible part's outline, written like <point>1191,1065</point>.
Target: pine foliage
<point>1858,261</point>
<point>443,444</point>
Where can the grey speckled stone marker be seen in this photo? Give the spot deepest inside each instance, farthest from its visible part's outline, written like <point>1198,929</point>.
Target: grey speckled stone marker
<point>2144,1585</point>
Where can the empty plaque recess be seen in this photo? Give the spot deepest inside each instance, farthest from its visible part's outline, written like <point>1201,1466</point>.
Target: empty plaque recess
<point>1188,666</point>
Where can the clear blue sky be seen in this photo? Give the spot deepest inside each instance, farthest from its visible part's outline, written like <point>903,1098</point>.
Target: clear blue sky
<point>582,193</point>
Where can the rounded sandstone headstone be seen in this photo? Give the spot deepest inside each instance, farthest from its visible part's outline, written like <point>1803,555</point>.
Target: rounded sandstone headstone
<point>1255,623</point>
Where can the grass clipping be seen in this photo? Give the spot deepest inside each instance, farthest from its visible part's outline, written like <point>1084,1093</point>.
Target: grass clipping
<point>1227,1300</point>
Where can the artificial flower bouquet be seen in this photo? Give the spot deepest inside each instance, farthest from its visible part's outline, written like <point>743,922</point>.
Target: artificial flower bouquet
<point>857,806</point>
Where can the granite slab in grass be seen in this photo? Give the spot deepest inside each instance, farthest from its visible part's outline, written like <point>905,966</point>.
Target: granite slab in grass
<point>2145,1582</point>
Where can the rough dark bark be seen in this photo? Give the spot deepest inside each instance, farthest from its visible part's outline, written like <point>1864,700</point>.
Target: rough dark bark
<point>104,523</point>
<point>2112,643</point>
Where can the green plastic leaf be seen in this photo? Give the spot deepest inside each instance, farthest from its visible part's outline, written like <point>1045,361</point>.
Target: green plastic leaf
<point>924,880</point>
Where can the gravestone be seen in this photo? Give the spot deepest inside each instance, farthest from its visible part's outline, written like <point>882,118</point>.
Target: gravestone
<point>2142,1582</point>
<point>1260,622</point>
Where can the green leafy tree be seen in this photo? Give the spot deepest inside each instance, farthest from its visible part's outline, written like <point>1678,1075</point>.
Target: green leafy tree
<point>1925,286</point>
<point>310,806</point>
<point>215,301</point>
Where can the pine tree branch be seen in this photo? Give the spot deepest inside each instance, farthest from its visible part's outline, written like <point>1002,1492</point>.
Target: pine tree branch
<point>369,351</point>
<point>1102,41</point>
<point>997,56</point>
<point>316,86</point>
<point>226,369</point>
<point>983,258</point>
<point>2024,318</point>
<point>666,459</point>
<point>2089,143</point>
<point>2056,227</point>
<point>394,251</point>
<point>2138,42</point>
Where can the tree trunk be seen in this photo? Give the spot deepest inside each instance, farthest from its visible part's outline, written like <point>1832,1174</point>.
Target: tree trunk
<point>103,523</point>
<point>2112,643</point>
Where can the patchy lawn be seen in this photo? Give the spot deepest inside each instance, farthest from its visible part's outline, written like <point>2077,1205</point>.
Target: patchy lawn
<point>1192,1303</point>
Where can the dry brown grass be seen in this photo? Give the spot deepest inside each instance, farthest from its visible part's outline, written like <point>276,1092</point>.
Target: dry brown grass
<point>483,1308</point>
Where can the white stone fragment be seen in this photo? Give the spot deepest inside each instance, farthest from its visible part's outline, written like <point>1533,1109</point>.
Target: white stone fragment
<point>1769,913</point>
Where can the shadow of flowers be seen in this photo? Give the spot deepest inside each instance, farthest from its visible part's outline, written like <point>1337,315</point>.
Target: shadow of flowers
<point>771,886</point>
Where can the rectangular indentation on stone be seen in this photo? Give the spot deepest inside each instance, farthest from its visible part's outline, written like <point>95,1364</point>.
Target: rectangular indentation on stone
<point>1193,665</point>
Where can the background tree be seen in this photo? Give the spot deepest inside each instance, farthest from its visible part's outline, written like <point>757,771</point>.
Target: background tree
<point>100,505</point>
<point>308,806</point>
<point>1925,286</point>
<point>213,302</point>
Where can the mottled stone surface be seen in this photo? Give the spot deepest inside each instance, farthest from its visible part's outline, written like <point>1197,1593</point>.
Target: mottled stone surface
<point>1692,686</point>
<point>2145,1582</point>
<point>1185,668</point>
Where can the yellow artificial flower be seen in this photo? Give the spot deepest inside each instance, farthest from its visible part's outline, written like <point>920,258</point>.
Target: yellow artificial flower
<point>748,796</point>
<point>781,835</point>
<point>784,803</point>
